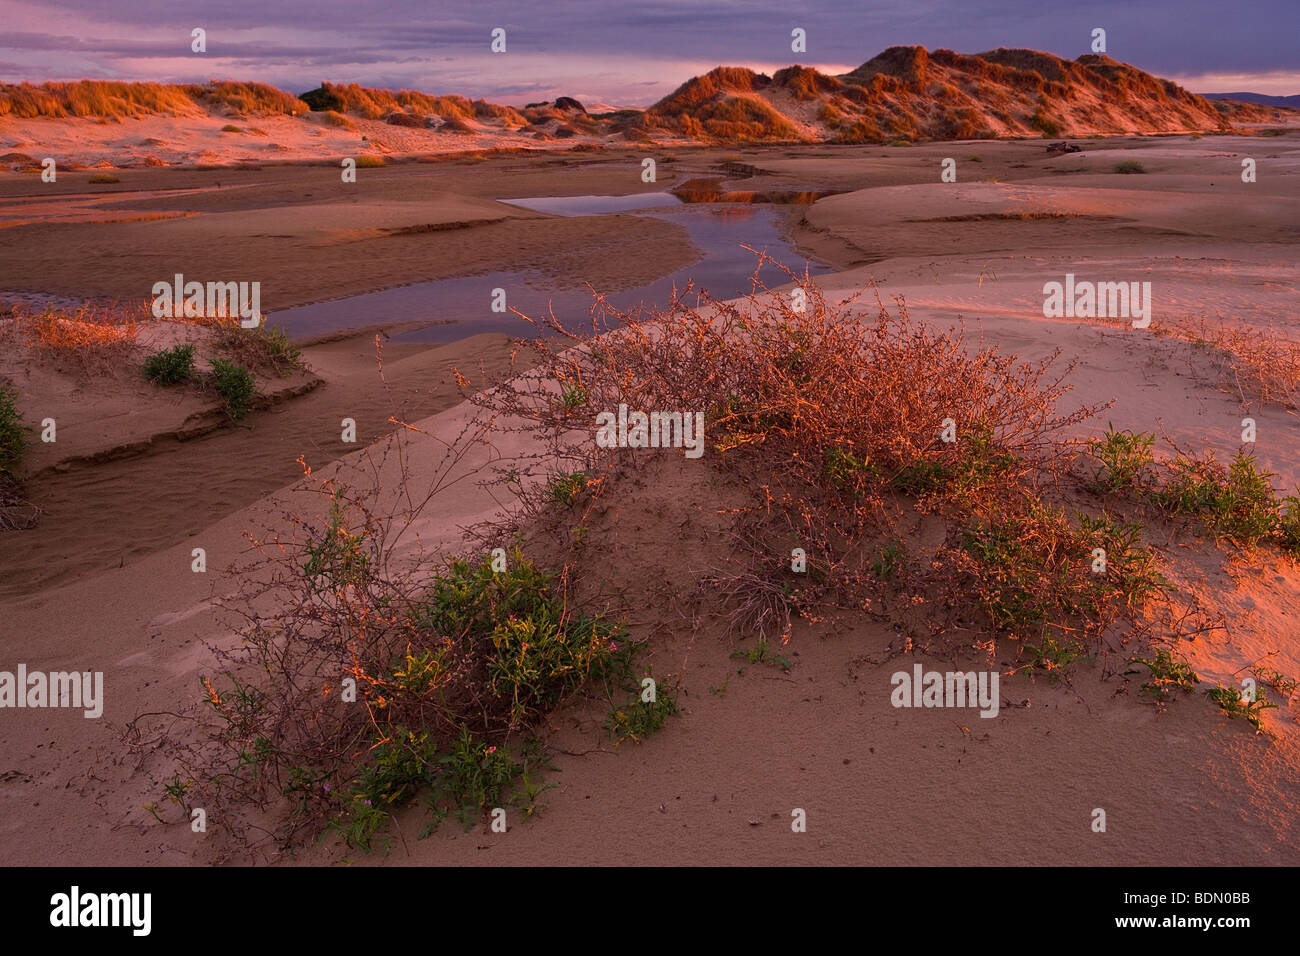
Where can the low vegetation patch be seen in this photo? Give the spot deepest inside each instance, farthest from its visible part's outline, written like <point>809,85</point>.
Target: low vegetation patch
<point>236,385</point>
<point>13,434</point>
<point>1129,167</point>
<point>170,366</point>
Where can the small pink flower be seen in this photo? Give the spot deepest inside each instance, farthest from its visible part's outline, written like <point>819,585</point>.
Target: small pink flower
<point>613,646</point>
<point>491,750</point>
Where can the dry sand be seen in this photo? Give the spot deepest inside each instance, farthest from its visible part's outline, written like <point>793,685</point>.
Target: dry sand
<point>717,785</point>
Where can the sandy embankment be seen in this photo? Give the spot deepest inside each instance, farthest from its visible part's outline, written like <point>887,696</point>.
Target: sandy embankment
<point>879,785</point>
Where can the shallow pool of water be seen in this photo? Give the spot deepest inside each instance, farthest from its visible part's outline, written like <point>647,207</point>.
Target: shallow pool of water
<point>456,308</point>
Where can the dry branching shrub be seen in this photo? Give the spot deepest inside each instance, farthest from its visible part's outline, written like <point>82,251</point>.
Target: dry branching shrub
<point>834,420</point>
<point>1259,364</point>
<point>450,663</point>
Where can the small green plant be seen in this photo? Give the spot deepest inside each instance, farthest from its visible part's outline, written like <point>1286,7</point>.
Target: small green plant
<point>1129,167</point>
<point>762,654</point>
<point>235,384</point>
<point>231,128</point>
<point>13,438</point>
<point>892,556</point>
<point>1053,656</point>
<point>1287,526</point>
<point>565,487</point>
<point>1124,457</point>
<point>1167,674</point>
<point>572,398</point>
<point>170,366</point>
<point>1235,705</point>
<point>1130,568</point>
<point>1286,686</point>
<point>1236,502</point>
<point>102,179</point>
<point>843,469</point>
<point>369,161</point>
<point>638,718</point>
<point>340,556</point>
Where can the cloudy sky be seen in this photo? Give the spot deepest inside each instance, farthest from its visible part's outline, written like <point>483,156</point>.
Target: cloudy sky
<point>624,52</point>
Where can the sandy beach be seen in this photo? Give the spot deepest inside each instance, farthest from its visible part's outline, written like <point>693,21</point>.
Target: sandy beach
<point>136,481</point>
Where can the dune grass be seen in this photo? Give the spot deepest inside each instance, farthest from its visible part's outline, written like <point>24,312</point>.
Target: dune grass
<point>114,100</point>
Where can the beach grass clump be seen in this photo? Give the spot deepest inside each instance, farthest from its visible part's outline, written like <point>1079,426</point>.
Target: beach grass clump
<point>103,179</point>
<point>1129,167</point>
<point>369,161</point>
<point>236,385</point>
<point>170,366</point>
<point>13,433</point>
<point>85,328</point>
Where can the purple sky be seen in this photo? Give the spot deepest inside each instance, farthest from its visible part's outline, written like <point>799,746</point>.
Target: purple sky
<point>623,52</point>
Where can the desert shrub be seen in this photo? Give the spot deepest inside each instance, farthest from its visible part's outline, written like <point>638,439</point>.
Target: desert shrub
<point>1129,166</point>
<point>103,179</point>
<point>835,418</point>
<point>235,384</point>
<point>231,128</point>
<point>170,366</point>
<point>13,437</point>
<point>1255,362</point>
<point>452,664</point>
<point>1287,527</point>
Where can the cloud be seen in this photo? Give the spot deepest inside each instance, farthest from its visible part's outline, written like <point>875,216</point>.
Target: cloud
<point>629,52</point>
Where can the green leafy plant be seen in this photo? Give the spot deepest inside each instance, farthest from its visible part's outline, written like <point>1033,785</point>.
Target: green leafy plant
<point>13,437</point>
<point>170,366</point>
<point>565,487</point>
<point>1235,705</point>
<point>1052,655</point>
<point>235,384</point>
<point>762,654</point>
<point>892,556</point>
<point>1236,502</point>
<point>1166,675</point>
<point>1124,457</point>
<point>636,719</point>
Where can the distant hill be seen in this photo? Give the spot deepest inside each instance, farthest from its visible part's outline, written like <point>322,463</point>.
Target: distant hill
<point>909,94</point>
<point>1263,99</point>
<point>904,93</point>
